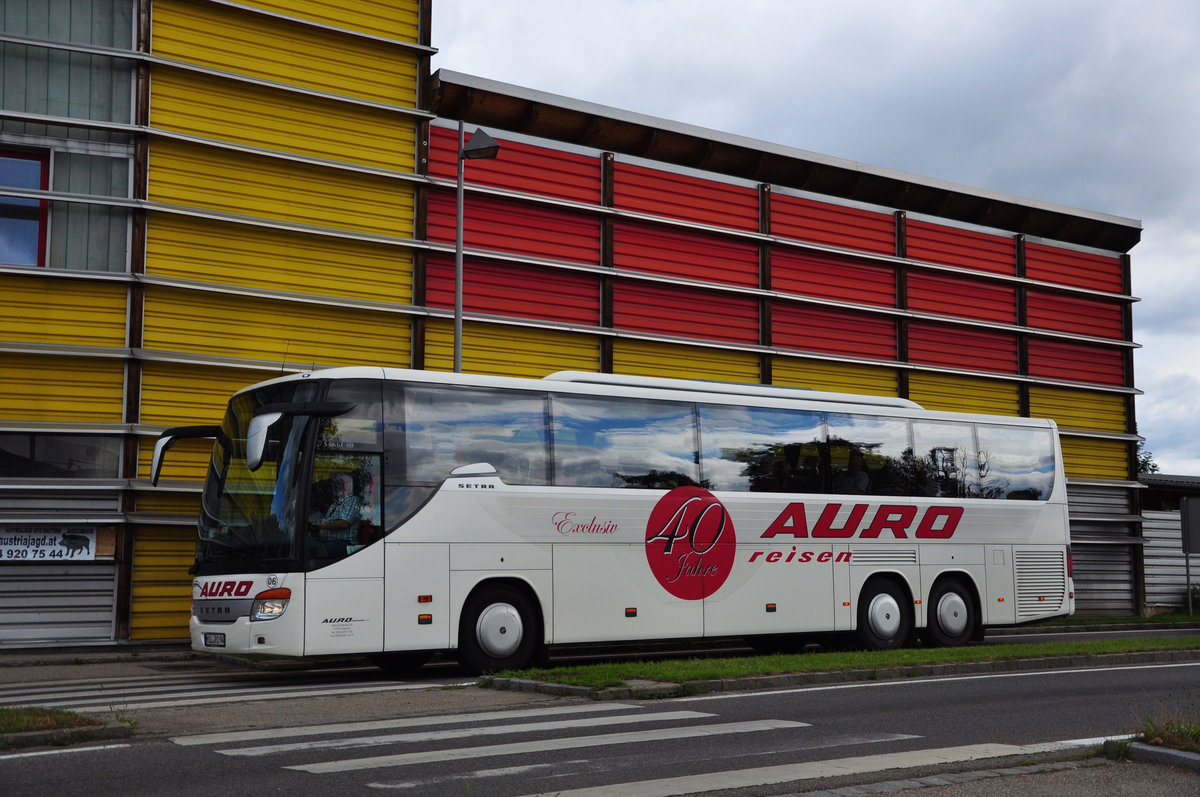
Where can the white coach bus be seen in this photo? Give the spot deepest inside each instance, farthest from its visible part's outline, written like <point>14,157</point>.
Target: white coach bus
<point>398,513</point>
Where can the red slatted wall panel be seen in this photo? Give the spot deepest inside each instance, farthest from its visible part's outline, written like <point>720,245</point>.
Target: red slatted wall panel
<point>515,290</point>
<point>962,347</point>
<point>1078,269</point>
<point>1076,362</point>
<point>1075,314</point>
<point>832,225</point>
<point>684,253</point>
<point>831,277</point>
<point>519,167</point>
<point>833,331</point>
<point>679,196</point>
<point>509,226</point>
<point>946,294</point>
<point>936,243</point>
<point>686,312</point>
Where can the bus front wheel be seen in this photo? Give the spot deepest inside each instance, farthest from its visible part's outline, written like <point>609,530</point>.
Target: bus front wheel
<point>499,630</point>
<point>952,615</point>
<point>884,615</point>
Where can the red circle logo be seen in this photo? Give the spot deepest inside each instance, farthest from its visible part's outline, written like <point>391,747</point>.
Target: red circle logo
<point>690,543</point>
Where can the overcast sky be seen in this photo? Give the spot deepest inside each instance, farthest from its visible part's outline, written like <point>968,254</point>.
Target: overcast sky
<point>1093,104</point>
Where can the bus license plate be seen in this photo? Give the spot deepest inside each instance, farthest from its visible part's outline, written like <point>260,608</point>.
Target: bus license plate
<point>214,640</point>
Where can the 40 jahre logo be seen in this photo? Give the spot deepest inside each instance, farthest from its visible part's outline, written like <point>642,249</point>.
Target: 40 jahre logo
<point>690,543</point>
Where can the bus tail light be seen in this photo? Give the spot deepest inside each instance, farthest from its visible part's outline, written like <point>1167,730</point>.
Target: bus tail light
<point>1070,563</point>
<point>270,604</point>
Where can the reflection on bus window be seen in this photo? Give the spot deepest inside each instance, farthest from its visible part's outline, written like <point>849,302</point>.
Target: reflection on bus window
<point>869,455</point>
<point>624,443</point>
<point>1015,463</point>
<point>946,461</point>
<point>761,449</point>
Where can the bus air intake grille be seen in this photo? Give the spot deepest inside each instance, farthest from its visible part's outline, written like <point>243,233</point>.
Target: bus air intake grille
<point>870,556</point>
<point>1041,582</point>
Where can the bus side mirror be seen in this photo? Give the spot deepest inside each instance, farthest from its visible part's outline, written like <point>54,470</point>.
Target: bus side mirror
<point>172,436</point>
<point>256,438</point>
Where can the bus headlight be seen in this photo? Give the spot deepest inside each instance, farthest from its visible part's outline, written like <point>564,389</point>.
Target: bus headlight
<point>270,604</point>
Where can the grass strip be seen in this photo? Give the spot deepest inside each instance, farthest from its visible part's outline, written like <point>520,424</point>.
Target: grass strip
<point>32,718</point>
<point>682,671</point>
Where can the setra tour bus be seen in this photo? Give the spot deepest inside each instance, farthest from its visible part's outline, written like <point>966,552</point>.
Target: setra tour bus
<point>399,513</point>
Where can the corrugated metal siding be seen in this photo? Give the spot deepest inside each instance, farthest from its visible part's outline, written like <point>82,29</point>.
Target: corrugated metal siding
<point>510,351</point>
<point>833,225</point>
<point>227,39</point>
<point>222,325</point>
<point>935,243</point>
<point>503,225</point>
<point>961,347</point>
<point>944,294</point>
<point>161,598</point>
<point>684,253</point>
<point>831,277</point>
<point>1104,580</point>
<point>1076,362</point>
<point>1078,269</point>
<point>185,394</point>
<point>261,257</point>
<point>49,389</point>
<point>1079,409</point>
<point>685,312</point>
<point>191,175</point>
<point>63,311</point>
<point>824,329</point>
<point>1072,314</point>
<point>225,110</point>
<point>1165,564</point>
<point>393,19</point>
<point>870,380</point>
<point>646,358</point>
<point>510,289</point>
<point>1085,458</point>
<point>683,197</point>
<point>519,167</point>
<point>67,603</point>
<point>1103,502</point>
<point>964,394</point>
<point>162,502</point>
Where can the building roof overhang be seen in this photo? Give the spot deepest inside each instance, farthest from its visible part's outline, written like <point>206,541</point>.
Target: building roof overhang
<point>489,103</point>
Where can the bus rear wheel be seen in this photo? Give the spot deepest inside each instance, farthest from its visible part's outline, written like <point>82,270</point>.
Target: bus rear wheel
<point>499,630</point>
<point>952,615</point>
<point>884,615</point>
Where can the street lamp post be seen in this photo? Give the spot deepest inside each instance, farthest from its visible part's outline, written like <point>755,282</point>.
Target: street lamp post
<point>481,146</point>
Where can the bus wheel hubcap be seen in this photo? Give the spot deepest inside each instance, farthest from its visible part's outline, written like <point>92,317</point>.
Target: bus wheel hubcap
<point>884,616</point>
<point>499,630</point>
<point>952,614</point>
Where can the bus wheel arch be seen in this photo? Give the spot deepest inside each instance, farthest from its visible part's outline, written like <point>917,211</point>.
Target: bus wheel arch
<point>954,611</point>
<point>885,613</point>
<point>500,627</point>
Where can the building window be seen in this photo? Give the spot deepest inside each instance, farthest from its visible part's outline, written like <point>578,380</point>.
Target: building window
<point>22,220</point>
<point>55,456</point>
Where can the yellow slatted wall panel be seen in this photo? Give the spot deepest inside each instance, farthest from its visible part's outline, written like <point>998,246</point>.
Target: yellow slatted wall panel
<point>226,110</point>
<point>63,311</point>
<point>224,325</point>
<point>392,19</point>
<point>1079,409</point>
<point>1084,458</point>
<point>192,175</point>
<point>675,361</point>
<point>870,380</point>
<point>163,502</point>
<point>258,257</point>
<point>964,394</point>
<point>510,351</point>
<point>61,389</point>
<point>231,40</point>
<point>161,597</point>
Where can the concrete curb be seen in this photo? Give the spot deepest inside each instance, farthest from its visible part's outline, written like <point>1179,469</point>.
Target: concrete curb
<point>650,690</point>
<point>64,736</point>
<point>1153,754</point>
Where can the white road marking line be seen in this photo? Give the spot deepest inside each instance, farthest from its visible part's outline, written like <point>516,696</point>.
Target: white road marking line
<point>464,733</point>
<point>787,773</point>
<point>62,751</point>
<point>479,774</point>
<point>404,722</point>
<point>524,748</point>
